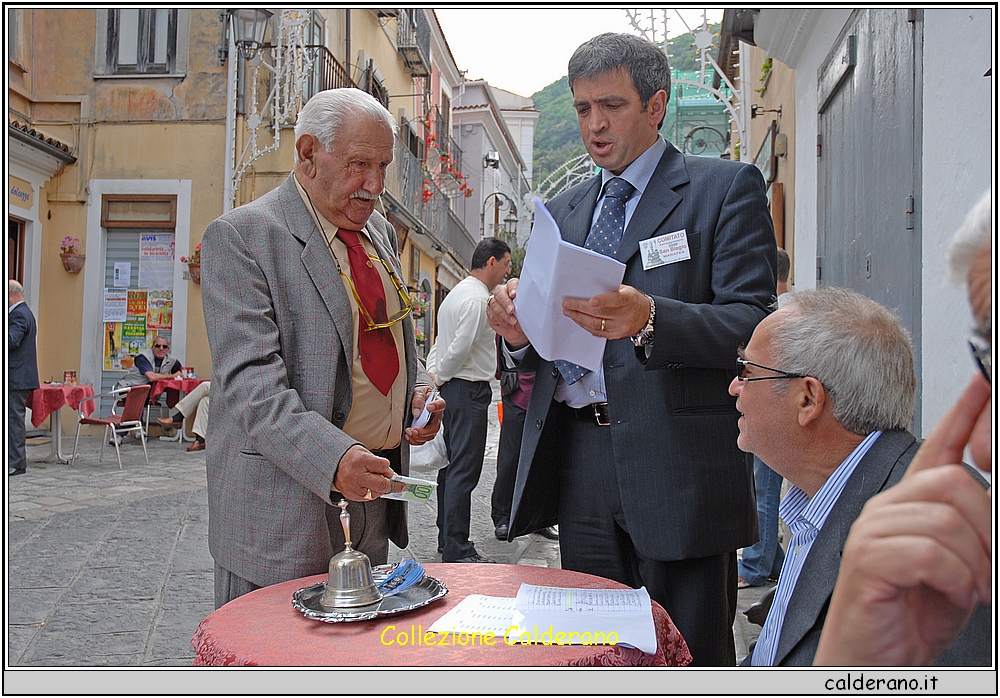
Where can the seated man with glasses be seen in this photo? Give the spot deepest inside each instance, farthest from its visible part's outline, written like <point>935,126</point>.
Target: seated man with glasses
<point>826,395</point>
<point>153,364</point>
<point>918,565</point>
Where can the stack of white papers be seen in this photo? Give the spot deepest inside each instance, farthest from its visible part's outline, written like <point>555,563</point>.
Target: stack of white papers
<point>549,616</point>
<point>553,270</point>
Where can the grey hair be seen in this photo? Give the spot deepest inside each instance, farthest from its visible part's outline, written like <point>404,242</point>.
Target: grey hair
<point>14,288</point>
<point>973,239</point>
<point>323,115</point>
<point>646,64</point>
<point>857,349</point>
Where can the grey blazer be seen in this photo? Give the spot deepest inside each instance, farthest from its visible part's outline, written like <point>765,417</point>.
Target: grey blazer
<point>881,468</point>
<point>281,335</point>
<point>686,488</point>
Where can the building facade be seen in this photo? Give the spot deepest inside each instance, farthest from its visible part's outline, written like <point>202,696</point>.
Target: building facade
<point>131,129</point>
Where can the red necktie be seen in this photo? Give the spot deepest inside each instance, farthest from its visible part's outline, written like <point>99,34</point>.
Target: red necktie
<point>376,347</point>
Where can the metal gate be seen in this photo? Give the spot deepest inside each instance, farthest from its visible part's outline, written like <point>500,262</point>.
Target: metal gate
<point>868,236</point>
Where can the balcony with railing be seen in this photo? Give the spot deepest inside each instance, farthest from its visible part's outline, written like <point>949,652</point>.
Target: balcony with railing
<point>413,41</point>
<point>428,203</point>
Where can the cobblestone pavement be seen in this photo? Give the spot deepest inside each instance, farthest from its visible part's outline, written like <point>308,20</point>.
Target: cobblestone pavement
<point>110,567</point>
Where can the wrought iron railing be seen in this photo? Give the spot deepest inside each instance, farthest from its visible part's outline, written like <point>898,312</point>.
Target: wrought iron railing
<point>328,72</point>
<point>413,40</point>
<point>426,202</point>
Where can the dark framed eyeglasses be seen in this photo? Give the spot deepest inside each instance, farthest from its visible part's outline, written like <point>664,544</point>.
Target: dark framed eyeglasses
<point>404,298</point>
<point>161,346</point>
<point>743,363</point>
<point>982,352</point>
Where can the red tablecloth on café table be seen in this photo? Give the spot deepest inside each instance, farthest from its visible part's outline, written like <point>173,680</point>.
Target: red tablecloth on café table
<point>184,385</point>
<point>264,629</point>
<point>48,398</point>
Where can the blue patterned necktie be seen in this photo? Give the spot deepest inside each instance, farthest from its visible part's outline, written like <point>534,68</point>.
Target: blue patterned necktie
<point>604,239</point>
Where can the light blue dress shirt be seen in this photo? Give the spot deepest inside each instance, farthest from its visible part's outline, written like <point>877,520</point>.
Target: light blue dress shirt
<point>591,388</point>
<point>805,518</point>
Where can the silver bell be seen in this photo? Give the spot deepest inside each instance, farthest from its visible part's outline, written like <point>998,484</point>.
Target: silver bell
<point>350,583</point>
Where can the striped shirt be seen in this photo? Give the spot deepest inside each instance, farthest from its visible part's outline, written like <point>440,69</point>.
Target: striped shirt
<point>805,518</point>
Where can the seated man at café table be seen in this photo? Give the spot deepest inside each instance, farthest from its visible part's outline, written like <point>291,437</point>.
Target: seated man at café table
<point>194,404</point>
<point>826,394</point>
<point>153,364</point>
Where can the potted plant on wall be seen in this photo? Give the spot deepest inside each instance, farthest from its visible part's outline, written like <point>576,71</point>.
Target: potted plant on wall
<point>194,264</point>
<point>72,258</point>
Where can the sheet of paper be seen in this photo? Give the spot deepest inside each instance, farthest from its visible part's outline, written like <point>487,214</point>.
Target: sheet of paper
<point>577,616</point>
<point>477,613</point>
<point>553,270</point>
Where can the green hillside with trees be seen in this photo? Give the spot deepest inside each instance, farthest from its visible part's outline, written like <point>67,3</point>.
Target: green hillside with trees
<point>557,137</point>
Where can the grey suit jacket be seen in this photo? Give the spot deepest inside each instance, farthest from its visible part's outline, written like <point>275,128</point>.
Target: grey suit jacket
<point>685,487</point>
<point>281,335</point>
<point>881,468</point>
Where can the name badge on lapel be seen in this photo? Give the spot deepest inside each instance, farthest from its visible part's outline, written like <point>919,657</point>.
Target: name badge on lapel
<point>665,249</point>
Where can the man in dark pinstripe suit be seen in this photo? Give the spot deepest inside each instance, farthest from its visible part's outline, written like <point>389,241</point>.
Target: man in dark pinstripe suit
<point>301,417</point>
<point>638,462</point>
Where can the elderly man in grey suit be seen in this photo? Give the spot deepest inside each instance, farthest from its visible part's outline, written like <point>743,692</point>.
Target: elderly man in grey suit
<point>314,369</point>
<point>637,462</point>
<point>826,394</point>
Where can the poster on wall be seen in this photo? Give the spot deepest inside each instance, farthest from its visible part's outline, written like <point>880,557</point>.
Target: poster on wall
<point>123,274</point>
<point>156,260</point>
<point>159,309</point>
<point>115,305</point>
<point>114,360</point>
<point>133,330</point>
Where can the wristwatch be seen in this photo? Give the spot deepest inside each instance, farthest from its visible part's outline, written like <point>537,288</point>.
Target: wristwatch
<point>645,336</point>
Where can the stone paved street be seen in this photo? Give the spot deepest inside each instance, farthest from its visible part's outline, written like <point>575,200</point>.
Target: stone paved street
<point>111,568</point>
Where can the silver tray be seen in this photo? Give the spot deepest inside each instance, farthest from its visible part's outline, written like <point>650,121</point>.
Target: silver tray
<point>424,592</point>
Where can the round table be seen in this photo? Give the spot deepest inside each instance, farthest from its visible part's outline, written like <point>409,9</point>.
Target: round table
<point>49,399</point>
<point>262,628</point>
<point>176,386</point>
<point>173,387</point>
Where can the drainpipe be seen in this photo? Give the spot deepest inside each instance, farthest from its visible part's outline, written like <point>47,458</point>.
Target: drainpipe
<point>347,40</point>
<point>227,187</point>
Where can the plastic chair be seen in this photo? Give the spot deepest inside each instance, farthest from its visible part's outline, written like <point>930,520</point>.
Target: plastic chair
<point>130,420</point>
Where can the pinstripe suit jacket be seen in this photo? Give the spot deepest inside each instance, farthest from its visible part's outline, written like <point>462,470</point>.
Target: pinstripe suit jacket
<point>685,487</point>
<point>280,331</point>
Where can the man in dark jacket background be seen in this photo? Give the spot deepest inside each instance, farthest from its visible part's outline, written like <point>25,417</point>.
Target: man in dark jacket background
<point>22,373</point>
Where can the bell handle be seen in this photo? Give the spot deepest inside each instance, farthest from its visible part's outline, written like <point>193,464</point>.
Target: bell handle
<point>345,521</point>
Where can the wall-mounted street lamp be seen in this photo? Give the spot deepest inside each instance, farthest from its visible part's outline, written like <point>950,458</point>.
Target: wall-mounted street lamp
<point>249,28</point>
<point>500,201</point>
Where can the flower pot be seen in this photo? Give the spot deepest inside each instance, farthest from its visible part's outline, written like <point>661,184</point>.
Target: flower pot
<point>194,271</point>
<point>72,262</point>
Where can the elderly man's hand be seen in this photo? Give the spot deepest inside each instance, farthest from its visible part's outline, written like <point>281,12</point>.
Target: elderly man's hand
<point>614,315</point>
<point>421,435</point>
<point>500,313</point>
<point>917,560</point>
<point>363,476</point>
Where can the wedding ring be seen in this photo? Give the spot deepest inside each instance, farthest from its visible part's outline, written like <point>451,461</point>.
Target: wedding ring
<point>603,322</point>
<point>368,496</point>
<point>490,299</point>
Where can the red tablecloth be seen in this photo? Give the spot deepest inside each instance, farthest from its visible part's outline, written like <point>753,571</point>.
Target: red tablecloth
<point>183,385</point>
<point>264,629</point>
<point>173,387</point>
<point>49,398</point>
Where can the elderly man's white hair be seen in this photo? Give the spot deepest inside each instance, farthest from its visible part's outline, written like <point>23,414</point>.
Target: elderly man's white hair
<point>973,239</point>
<point>323,115</point>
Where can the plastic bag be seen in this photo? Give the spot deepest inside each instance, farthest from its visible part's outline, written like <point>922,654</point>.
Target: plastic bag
<point>430,456</point>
